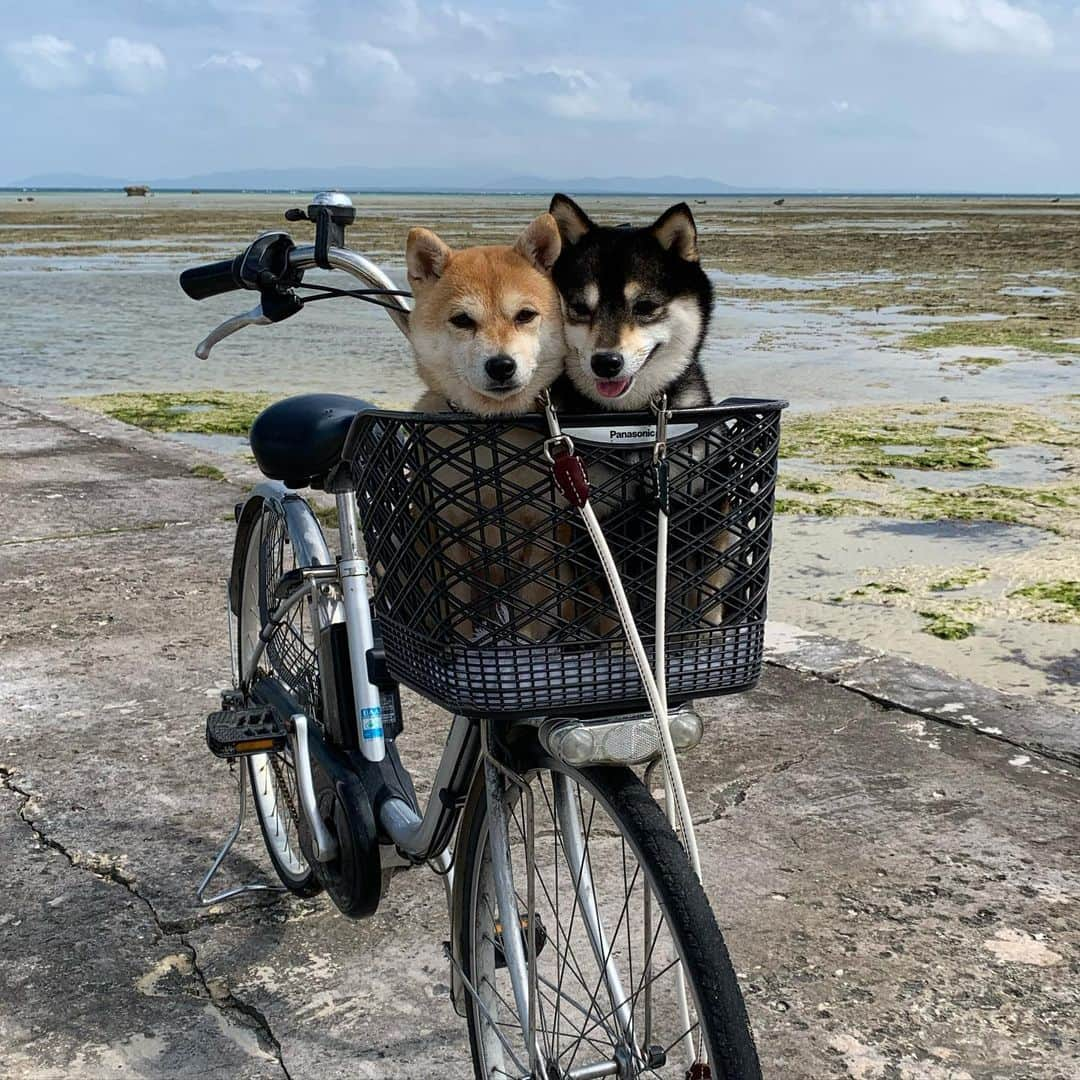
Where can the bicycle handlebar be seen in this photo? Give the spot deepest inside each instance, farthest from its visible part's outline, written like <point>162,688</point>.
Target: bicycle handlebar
<point>212,279</point>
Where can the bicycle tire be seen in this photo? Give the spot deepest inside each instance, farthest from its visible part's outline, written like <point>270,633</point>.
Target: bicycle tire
<point>701,947</point>
<point>270,785</point>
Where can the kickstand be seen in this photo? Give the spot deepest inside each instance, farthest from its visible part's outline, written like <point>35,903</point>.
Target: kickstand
<point>239,890</point>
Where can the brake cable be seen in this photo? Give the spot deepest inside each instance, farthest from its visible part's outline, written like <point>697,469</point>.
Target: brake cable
<point>329,292</point>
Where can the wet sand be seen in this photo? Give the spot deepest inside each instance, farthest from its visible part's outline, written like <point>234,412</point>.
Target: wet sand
<point>860,311</point>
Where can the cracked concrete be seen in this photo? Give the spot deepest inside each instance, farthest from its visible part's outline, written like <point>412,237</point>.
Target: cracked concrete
<point>221,998</point>
<point>899,886</point>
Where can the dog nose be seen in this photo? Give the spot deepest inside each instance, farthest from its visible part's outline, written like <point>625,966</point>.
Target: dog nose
<point>607,364</point>
<point>500,368</point>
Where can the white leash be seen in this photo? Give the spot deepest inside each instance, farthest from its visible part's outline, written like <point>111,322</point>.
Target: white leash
<point>569,473</point>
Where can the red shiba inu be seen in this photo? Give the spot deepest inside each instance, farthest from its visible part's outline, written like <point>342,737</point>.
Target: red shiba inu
<point>486,328</point>
<point>487,333</point>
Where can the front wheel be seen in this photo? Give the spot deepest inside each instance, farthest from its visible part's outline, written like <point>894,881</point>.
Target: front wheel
<point>633,977</point>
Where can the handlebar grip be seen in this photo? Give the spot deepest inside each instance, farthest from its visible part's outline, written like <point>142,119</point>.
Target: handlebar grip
<point>213,279</point>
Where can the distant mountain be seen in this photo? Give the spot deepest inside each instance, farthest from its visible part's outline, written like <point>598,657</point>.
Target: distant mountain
<point>360,178</point>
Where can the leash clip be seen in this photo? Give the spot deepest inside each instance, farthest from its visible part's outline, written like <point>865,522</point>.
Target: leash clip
<point>659,406</point>
<point>660,472</point>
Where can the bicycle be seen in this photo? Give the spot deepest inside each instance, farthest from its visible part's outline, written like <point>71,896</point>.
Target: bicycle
<point>582,943</point>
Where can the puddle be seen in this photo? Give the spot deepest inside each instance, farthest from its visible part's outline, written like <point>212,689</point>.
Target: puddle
<point>1033,290</point>
<point>1014,466</point>
<point>903,450</point>
<point>793,284</point>
<point>877,225</point>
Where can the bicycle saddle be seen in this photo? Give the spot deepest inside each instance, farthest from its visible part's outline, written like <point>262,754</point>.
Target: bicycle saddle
<point>299,440</point>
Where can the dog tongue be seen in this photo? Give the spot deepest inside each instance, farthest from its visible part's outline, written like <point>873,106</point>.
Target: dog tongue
<point>611,387</point>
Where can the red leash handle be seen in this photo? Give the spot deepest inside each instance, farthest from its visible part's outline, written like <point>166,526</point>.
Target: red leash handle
<point>568,471</point>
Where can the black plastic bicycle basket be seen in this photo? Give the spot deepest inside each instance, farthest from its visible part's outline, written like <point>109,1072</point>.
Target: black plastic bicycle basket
<point>488,591</point>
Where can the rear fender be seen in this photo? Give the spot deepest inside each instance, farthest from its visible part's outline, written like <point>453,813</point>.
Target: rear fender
<point>305,534</point>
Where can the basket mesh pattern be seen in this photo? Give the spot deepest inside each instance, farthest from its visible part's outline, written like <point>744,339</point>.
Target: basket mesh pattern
<point>489,595</point>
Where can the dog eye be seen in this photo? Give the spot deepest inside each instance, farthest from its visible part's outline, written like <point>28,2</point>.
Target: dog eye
<point>580,310</point>
<point>646,308</point>
<point>463,321</point>
<point>524,316</point>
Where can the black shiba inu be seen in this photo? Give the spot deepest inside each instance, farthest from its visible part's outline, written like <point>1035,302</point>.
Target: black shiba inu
<point>636,307</point>
<point>636,304</point>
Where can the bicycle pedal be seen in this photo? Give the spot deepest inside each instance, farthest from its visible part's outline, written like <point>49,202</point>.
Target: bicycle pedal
<point>253,729</point>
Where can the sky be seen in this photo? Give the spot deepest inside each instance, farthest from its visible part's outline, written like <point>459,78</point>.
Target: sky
<point>973,95</point>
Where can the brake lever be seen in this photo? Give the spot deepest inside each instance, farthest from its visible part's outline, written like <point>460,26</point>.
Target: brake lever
<point>276,305</point>
<point>254,317</point>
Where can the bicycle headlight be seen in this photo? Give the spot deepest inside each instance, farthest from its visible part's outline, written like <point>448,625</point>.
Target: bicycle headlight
<point>626,740</point>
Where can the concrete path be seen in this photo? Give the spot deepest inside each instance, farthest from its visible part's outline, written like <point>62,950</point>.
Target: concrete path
<point>896,869</point>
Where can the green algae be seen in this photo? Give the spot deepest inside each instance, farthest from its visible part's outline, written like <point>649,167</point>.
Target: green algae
<point>1064,593</point>
<point>972,365</point>
<point>870,441</point>
<point>872,589</point>
<point>810,487</point>
<point>206,472</point>
<point>887,587</point>
<point>1023,334</point>
<point>202,412</point>
<point>945,627</point>
<point>961,579</point>
<point>1055,510</point>
<point>827,507</point>
<point>1038,507</point>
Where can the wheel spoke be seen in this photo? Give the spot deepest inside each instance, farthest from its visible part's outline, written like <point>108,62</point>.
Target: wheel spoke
<point>608,946</point>
<point>289,657</point>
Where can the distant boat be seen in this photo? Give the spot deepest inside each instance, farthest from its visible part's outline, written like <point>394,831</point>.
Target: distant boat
<point>137,189</point>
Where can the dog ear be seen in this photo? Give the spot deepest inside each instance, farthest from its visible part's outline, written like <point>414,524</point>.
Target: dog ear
<point>676,231</point>
<point>573,222</point>
<point>426,256</point>
<point>540,243</point>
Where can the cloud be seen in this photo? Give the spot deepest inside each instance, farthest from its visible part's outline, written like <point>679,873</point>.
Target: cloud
<point>562,92</point>
<point>404,19</point>
<point>290,78</point>
<point>376,73</point>
<point>295,77</point>
<point>134,66</point>
<point>467,21</point>
<point>233,61</point>
<point>45,62</point>
<point>748,114</point>
<point>962,26</point>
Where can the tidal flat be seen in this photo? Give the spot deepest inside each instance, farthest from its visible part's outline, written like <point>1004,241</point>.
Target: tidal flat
<point>929,496</point>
